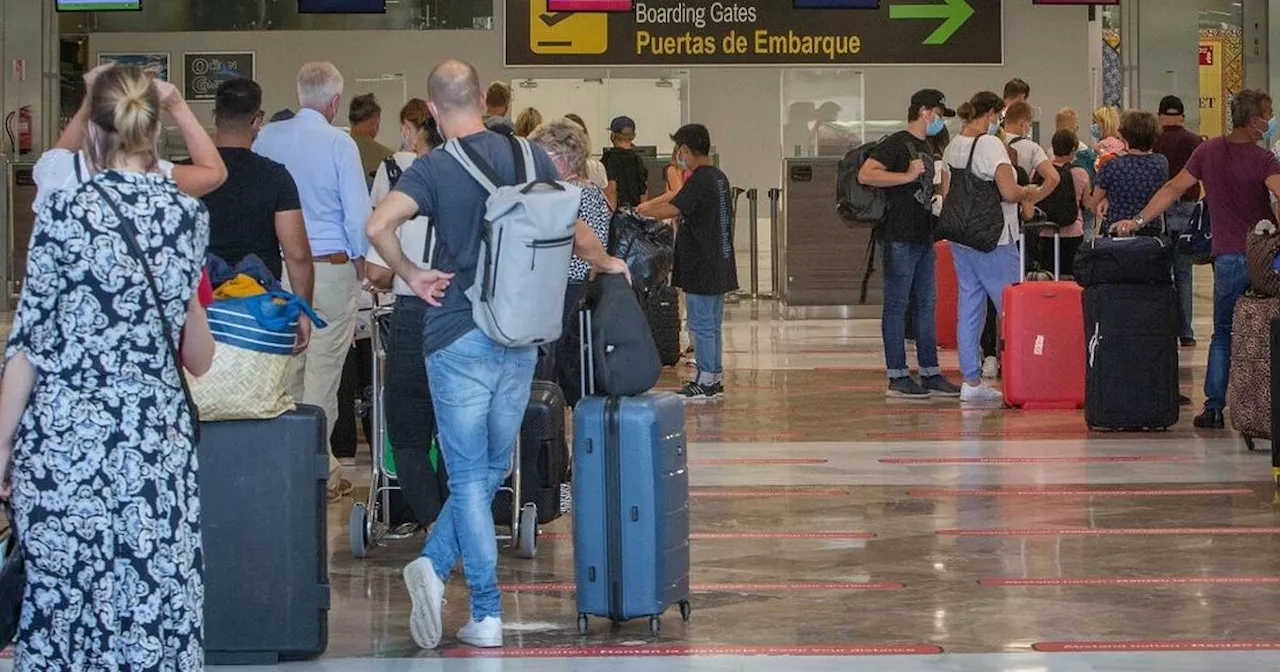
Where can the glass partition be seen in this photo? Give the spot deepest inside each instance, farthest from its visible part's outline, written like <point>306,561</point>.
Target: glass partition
<point>823,111</point>
<point>234,15</point>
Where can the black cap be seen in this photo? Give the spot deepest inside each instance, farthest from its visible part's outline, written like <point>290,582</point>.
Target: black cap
<point>694,136</point>
<point>932,98</point>
<point>1171,106</point>
<point>622,125</point>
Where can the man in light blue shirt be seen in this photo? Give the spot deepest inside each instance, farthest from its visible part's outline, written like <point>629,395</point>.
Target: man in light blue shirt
<point>325,164</point>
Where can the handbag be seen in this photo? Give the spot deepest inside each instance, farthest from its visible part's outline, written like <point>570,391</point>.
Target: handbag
<point>1197,240</point>
<point>130,235</point>
<point>255,337</point>
<point>972,214</point>
<point>13,583</point>
<point>1261,249</point>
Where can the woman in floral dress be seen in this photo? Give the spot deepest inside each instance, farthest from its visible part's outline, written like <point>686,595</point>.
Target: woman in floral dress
<point>96,438</point>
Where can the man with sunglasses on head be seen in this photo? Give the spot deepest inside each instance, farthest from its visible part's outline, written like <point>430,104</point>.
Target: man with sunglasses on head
<point>257,210</point>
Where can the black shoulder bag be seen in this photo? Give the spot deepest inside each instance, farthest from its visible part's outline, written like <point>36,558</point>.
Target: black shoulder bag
<point>130,235</point>
<point>971,215</point>
<point>13,583</point>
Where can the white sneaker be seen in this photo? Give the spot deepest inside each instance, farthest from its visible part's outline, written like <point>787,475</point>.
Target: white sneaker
<point>980,393</point>
<point>483,634</point>
<point>426,590</point>
<point>347,461</point>
<point>990,368</point>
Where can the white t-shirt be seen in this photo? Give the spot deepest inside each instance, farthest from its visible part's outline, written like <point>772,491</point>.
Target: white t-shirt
<point>989,155</point>
<point>1030,155</point>
<point>596,174</point>
<point>413,235</point>
<point>59,169</point>
<point>939,172</point>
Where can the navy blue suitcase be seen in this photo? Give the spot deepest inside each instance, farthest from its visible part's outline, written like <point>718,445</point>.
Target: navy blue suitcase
<point>630,507</point>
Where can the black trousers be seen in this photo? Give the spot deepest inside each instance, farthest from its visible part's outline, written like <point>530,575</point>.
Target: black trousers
<point>566,365</point>
<point>411,421</point>
<point>353,399</point>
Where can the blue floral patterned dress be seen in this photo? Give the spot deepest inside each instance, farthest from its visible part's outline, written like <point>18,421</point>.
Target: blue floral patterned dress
<point>104,470</point>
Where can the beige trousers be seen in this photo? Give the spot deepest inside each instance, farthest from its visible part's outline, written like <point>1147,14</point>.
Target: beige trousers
<point>316,373</point>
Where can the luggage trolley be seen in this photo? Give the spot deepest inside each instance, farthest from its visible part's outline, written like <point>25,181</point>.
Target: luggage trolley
<point>370,519</point>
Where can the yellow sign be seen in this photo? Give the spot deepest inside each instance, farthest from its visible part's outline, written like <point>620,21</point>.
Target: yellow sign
<point>567,32</point>
<point>1212,99</point>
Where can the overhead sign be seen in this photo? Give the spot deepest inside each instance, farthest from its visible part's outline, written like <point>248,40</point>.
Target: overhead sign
<point>690,33</point>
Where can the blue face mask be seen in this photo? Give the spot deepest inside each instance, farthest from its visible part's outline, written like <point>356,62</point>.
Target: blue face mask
<point>1095,132</point>
<point>1272,126</point>
<point>935,127</point>
<point>993,128</point>
<point>680,161</point>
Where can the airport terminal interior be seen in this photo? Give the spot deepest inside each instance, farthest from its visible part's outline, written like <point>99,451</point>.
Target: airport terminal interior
<point>831,528</point>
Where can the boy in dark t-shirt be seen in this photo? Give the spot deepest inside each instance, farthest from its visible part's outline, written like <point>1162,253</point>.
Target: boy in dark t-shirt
<point>626,169</point>
<point>704,266</point>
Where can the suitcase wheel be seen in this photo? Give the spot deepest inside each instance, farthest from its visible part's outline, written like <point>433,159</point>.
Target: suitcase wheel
<point>526,542</point>
<point>1249,443</point>
<point>655,625</point>
<point>685,611</point>
<point>356,531</point>
<point>582,624</point>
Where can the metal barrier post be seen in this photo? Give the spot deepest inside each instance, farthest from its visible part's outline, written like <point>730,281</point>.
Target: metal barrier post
<point>775,196</point>
<point>753,212</point>
<point>736,295</point>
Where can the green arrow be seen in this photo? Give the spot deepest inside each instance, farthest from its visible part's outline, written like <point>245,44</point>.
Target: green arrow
<point>956,13</point>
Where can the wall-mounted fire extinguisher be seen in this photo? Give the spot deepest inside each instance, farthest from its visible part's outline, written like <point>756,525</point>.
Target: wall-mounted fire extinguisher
<point>20,138</point>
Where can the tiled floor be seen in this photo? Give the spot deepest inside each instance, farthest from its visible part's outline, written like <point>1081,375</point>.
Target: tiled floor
<point>830,524</point>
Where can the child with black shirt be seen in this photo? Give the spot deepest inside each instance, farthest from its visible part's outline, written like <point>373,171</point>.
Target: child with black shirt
<point>628,174</point>
<point>704,266</point>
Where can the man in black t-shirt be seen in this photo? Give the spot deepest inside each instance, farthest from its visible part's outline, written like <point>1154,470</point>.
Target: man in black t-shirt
<point>903,165</point>
<point>256,211</point>
<point>704,267</point>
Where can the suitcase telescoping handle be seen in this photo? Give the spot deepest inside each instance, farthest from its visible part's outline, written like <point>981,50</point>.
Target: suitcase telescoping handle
<point>1030,230</point>
<point>586,353</point>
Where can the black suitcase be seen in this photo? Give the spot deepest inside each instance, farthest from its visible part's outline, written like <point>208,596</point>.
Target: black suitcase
<point>544,456</point>
<point>662,309</point>
<point>1138,260</point>
<point>263,501</point>
<point>1131,378</point>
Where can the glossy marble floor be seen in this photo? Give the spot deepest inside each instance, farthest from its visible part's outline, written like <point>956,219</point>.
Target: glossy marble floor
<point>836,530</point>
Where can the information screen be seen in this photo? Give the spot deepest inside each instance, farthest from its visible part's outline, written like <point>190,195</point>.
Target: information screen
<point>1075,2</point>
<point>835,4</point>
<point>98,5</point>
<point>342,6</point>
<point>590,5</point>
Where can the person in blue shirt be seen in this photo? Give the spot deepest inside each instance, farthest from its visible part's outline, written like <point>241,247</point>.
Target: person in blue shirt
<point>325,164</point>
<point>479,388</point>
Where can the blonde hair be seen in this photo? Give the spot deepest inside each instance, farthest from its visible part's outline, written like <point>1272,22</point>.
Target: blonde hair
<point>528,120</point>
<point>566,139</point>
<point>124,106</point>
<point>1067,120</point>
<point>318,83</point>
<point>1108,121</point>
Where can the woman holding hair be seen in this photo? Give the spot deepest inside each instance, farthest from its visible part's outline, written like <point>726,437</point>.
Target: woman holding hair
<point>982,275</point>
<point>566,143</point>
<point>96,434</point>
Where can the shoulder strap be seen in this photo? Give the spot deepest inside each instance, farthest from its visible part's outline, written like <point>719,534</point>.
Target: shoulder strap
<point>968,166</point>
<point>522,153</point>
<point>130,235</point>
<point>474,164</point>
<point>393,171</point>
<point>78,159</point>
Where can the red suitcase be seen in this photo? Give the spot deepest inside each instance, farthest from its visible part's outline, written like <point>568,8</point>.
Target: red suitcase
<point>946,312</point>
<point>1043,358</point>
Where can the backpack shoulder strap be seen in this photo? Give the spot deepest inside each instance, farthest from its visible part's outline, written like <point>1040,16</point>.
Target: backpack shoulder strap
<point>393,171</point>
<point>474,164</point>
<point>522,152</point>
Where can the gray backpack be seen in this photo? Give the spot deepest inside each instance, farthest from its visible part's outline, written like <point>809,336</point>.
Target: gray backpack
<point>525,247</point>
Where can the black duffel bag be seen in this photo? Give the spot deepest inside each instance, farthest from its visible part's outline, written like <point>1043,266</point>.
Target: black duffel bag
<point>972,215</point>
<point>1139,260</point>
<point>623,354</point>
<point>647,245</point>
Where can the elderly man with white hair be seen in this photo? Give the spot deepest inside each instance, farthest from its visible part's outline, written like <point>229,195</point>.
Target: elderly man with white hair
<point>326,165</point>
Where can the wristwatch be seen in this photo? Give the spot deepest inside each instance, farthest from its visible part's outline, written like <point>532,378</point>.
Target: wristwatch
<point>1139,221</point>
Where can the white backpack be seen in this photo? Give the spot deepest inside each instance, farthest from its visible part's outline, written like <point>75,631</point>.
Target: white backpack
<point>525,248</point>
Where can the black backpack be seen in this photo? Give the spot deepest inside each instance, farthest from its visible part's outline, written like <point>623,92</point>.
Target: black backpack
<point>858,204</point>
<point>1061,207</point>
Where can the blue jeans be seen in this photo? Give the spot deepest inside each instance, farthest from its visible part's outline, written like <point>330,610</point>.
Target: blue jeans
<point>980,275</point>
<point>706,325</point>
<point>1177,219</point>
<point>909,278</point>
<point>480,390</point>
<point>1230,280</point>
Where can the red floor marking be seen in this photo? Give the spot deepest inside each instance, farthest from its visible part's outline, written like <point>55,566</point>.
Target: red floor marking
<point>1106,532</point>
<point>742,462</point>
<point>985,434</point>
<point>752,494</point>
<point>745,435</point>
<point>927,494</point>
<point>1156,645</point>
<point>857,388</point>
<point>799,586</point>
<point>1035,460</point>
<point>699,651</point>
<point>714,536</point>
<point>1133,581</point>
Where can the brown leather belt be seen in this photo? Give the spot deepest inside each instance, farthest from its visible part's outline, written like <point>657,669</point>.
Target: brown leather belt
<point>337,258</point>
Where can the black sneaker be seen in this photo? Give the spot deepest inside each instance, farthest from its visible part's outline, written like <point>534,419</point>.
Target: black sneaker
<point>696,391</point>
<point>938,386</point>
<point>905,388</point>
<point>1184,400</point>
<point>1187,342</point>
<point>1210,419</point>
